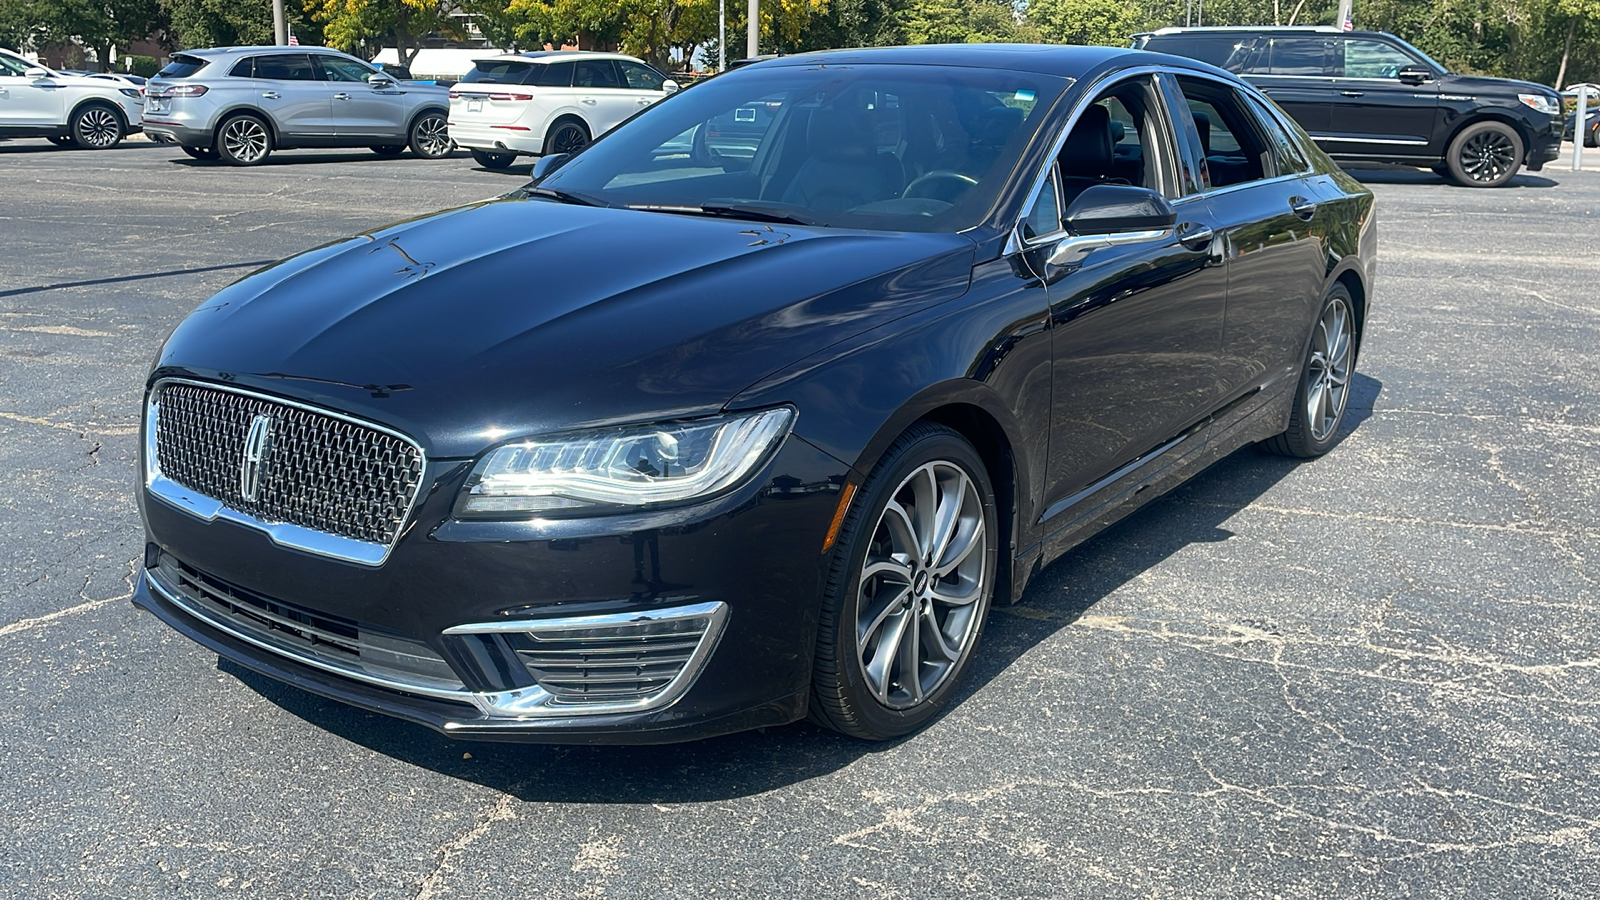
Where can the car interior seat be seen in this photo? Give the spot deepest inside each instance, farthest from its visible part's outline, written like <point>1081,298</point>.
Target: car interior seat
<point>843,168</point>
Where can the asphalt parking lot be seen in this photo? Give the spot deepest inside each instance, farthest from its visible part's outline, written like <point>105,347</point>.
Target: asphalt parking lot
<point>1376,674</point>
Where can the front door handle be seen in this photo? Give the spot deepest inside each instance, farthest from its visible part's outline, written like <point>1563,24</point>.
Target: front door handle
<point>270,95</point>
<point>1195,235</point>
<point>1350,93</point>
<point>1303,208</point>
<point>341,96</point>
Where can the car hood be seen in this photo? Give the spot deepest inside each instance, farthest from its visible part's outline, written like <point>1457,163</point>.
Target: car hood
<point>1502,86</point>
<point>520,316</point>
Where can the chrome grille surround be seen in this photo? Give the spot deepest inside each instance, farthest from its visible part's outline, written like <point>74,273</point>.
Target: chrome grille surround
<point>621,662</point>
<point>326,483</point>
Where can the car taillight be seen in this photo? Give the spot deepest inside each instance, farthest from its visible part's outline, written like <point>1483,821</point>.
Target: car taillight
<point>455,95</point>
<point>184,90</point>
<point>510,96</point>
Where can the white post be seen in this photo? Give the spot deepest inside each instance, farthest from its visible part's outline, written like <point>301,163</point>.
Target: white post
<point>1577,128</point>
<point>752,41</point>
<point>280,26</point>
<point>722,35</point>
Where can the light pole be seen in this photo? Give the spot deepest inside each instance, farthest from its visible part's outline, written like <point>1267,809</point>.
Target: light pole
<point>722,35</point>
<point>752,41</point>
<point>1577,127</point>
<point>280,27</point>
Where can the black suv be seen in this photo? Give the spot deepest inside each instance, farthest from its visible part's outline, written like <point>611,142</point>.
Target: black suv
<point>1369,96</point>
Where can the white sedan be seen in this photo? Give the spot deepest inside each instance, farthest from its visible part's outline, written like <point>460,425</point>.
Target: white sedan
<point>554,101</point>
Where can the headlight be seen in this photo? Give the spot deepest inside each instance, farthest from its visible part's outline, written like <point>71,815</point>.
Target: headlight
<point>1541,103</point>
<point>622,469</point>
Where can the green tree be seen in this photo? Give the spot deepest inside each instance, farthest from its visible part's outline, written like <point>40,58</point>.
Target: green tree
<point>221,23</point>
<point>96,24</point>
<point>1105,22</point>
<point>964,22</point>
<point>367,25</point>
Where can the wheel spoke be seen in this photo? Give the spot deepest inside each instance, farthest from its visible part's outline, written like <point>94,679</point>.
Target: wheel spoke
<point>884,653</point>
<point>933,637</point>
<point>974,591</point>
<point>925,500</point>
<point>901,532</point>
<point>865,633</point>
<point>947,518</point>
<point>967,540</point>
<point>910,660</point>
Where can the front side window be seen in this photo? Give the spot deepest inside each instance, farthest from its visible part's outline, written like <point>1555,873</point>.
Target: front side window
<point>641,77</point>
<point>1230,137</point>
<point>882,147</point>
<point>1373,59</point>
<point>286,67</point>
<point>597,73</point>
<point>10,65</point>
<point>336,68</point>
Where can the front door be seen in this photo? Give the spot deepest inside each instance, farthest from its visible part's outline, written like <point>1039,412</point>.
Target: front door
<point>28,101</point>
<point>1373,111</point>
<point>359,109</point>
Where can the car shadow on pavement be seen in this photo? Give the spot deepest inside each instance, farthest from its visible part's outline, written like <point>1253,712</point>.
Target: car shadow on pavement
<point>296,158</point>
<point>43,146</point>
<point>1402,175</point>
<point>753,762</point>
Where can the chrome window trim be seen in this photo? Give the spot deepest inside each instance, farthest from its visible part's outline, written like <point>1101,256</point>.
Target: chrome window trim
<point>209,509</point>
<point>1342,139</point>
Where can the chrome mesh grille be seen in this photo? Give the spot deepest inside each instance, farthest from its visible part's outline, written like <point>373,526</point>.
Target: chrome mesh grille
<point>610,663</point>
<point>318,471</point>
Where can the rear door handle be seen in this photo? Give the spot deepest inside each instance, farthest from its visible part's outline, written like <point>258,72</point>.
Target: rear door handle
<point>1195,235</point>
<point>270,95</point>
<point>1350,93</point>
<point>1303,208</point>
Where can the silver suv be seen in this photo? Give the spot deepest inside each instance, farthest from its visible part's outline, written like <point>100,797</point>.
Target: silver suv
<point>241,103</point>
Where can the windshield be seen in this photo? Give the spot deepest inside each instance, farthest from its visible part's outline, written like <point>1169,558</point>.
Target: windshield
<point>883,147</point>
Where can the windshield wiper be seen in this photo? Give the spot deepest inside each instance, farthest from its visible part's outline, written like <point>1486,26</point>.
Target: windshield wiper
<point>753,211</point>
<point>566,197</point>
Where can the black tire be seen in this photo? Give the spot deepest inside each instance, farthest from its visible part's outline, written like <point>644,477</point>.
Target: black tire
<point>61,140</point>
<point>96,126</point>
<point>201,153</point>
<point>1486,154</point>
<point>1313,432</point>
<point>1592,139</point>
<point>430,136</point>
<point>566,135</point>
<point>861,610</point>
<point>243,140</point>
<point>492,160</point>
<point>389,150</point>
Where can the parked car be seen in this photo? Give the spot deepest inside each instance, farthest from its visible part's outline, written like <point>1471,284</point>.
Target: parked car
<point>1591,127</point>
<point>1371,97</point>
<point>394,70</point>
<point>70,110</point>
<point>240,104</point>
<point>777,454</point>
<point>552,101</point>
<point>120,77</point>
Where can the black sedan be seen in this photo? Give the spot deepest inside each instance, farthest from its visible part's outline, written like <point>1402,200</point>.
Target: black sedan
<point>658,447</point>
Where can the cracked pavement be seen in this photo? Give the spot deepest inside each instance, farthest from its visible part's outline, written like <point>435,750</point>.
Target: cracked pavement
<point>1376,674</point>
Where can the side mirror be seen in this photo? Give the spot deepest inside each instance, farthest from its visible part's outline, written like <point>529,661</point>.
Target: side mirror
<point>379,81</point>
<point>1414,75</point>
<point>1107,215</point>
<point>547,164</point>
<point>670,86</point>
<point>36,72</point>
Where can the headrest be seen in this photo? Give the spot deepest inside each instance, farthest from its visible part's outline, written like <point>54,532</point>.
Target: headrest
<point>1202,124</point>
<point>997,125</point>
<point>838,135</point>
<point>1087,152</point>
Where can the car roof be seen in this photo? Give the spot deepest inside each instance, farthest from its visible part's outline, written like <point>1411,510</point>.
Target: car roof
<point>1259,29</point>
<point>550,56</point>
<point>1039,59</point>
<point>256,50</point>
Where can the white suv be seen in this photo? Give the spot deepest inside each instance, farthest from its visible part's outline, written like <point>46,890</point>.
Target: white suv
<point>70,110</point>
<point>554,101</point>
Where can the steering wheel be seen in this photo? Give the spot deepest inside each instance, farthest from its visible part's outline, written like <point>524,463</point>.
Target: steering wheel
<point>940,184</point>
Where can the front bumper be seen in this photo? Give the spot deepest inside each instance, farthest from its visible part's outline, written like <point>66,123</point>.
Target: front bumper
<point>1545,146</point>
<point>755,554</point>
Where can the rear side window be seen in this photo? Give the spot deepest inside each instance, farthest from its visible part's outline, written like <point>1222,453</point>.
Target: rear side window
<point>497,71</point>
<point>1235,150</point>
<point>641,77</point>
<point>1286,153</point>
<point>597,73</point>
<point>286,67</point>
<point>554,74</point>
<point>182,66</point>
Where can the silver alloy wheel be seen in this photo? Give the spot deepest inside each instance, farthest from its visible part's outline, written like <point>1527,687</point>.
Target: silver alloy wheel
<point>920,586</point>
<point>98,128</point>
<point>433,136</point>
<point>1488,156</point>
<point>1328,375</point>
<point>245,139</point>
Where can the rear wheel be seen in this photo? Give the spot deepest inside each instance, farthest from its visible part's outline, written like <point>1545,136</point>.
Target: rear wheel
<point>244,140</point>
<point>1487,154</point>
<point>910,585</point>
<point>492,160</point>
<point>566,136</point>
<point>97,127</point>
<point>430,136</point>
<point>205,153</point>
<point>1324,390</point>
<point>389,150</point>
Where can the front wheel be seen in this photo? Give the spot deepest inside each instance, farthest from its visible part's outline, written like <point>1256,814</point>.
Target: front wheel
<point>1319,402</point>
<point>1487,154</point>
<point>430,136</point>
<point>97,127</point>
<point>911,581</point>
<point>491,160</point>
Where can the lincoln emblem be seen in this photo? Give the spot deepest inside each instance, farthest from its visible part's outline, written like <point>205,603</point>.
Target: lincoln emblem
<point>255,449</point>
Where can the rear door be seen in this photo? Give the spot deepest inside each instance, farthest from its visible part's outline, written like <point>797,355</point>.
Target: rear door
<point>1373,111</point>
<point>359,109</point>
<point>1296,71</point>
<point>292,93</point>
<point>28,101</point>
<point>602,94</point>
